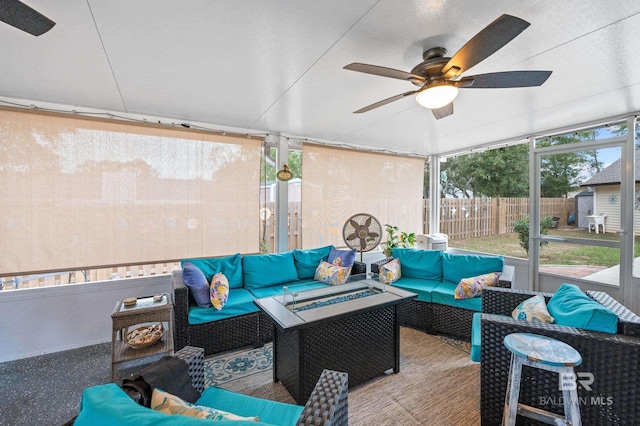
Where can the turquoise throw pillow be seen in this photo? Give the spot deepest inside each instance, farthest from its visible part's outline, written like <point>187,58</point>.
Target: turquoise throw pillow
<point>307,261</point>
<point>425,264</point>
<point>457,267</point>
<point>266,270</point>
<point>197,283</point>
<point>571,307</point>
<point>230,266</point>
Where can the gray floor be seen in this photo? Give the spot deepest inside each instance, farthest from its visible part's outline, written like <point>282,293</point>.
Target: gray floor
<point>46,389</point>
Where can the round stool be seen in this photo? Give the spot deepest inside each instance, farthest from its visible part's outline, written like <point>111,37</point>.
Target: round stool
<point>548,354</point>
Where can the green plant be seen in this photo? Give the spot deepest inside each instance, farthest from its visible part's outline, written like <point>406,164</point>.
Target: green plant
<point>397,239</point>
<point>521,226</point>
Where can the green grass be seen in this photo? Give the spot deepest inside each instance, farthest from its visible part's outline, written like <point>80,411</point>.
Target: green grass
<point>552,253</point>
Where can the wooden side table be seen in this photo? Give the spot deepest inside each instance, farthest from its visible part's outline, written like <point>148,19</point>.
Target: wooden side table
<point>146,310</point>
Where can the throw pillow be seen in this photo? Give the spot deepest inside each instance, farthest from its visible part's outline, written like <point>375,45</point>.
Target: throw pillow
<point>342,257</point>
<point>472,287</point>
<point>390,272</point>
<point>170,404</point>
<point>307,261</point>
<point>571,307</point>
<point>197,283</point>
<point>219,290</point>
<point>332,274</point>
<point>533,309</point>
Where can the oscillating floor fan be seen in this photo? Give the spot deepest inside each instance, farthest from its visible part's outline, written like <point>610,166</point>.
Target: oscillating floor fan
<point>362,232</point>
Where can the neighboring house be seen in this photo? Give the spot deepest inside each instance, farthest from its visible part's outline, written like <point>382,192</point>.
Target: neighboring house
<point>606,195</point>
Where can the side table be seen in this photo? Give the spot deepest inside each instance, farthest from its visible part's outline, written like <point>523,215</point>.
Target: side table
<point>146,310</point>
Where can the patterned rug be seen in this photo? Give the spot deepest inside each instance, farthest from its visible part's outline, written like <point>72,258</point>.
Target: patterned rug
<point>220,369</point>
<point>225,368</point>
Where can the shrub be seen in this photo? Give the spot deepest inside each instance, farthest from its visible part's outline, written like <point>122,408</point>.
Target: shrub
<point>522,228</point>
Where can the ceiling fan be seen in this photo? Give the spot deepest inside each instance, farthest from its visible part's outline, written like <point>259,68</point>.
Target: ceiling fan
<point>439,77</point>
<point>21,16</point>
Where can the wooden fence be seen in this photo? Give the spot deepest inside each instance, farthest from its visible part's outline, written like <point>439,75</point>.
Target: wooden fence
<point>459,218</point>
<point>476,217</point>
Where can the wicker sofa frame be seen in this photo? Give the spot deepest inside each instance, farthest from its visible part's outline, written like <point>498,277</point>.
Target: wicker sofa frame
<point>434,318</point>
<point>613,359</point>
<point>252,329</point>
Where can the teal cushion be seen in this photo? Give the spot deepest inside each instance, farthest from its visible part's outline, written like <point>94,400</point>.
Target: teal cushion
<point>264,270</point>
<point>294,287</point>
<point>274,412</point>
<point>476,337</point>
<point>307,261</point>
<point>230,266</point>
<point>443,294</point>
<point>456,267</point>
<point>239,302</point>
<point>425,264</point>
<point>422,288</point>
<point>571,307</point>
<point>108,405</point>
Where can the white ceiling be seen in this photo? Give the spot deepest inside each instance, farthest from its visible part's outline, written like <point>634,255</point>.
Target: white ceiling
<point>274,66</point>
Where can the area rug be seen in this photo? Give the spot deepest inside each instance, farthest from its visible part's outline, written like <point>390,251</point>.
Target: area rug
<point>438,384</point>
<point>230,366</point>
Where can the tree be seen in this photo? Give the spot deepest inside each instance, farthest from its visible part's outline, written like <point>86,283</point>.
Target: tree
<point>502,172</point>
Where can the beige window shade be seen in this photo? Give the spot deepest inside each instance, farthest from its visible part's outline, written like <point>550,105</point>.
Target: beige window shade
<point>78,192</point>
<point>338,183</point>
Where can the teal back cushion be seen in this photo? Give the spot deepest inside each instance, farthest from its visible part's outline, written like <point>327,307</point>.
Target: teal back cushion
<point>307,261</point>
<point>425,264</point>
<point>571,307</point>
<point>459,266</point>
<point>230,266</point>
<point>265,270</point>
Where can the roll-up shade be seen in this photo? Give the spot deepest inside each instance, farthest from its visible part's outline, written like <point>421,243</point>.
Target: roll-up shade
<point>78,192</point>
<point>338,183</point>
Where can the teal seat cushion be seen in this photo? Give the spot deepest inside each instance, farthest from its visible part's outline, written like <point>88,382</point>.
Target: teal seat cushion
<point>422,288</point>
<point>476,337</point>
<point>571,307</point>
<point>425,264</point>
<point>306,261</point>
<point>240,302</point>
<point>265,270</point>
<point>273,412</point>
<point>294,287</point>
<point>108,405</point>
<point>443,294</point>
<point>230,266</point>
<point>456,267</point>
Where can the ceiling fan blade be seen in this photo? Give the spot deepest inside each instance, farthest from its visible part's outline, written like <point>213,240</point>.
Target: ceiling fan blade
<point>22,17</point>
<point>384,72</point>
<point>497,80</point>
<point>443,112</point>
<point>385,101</point>
<point>484,44</point>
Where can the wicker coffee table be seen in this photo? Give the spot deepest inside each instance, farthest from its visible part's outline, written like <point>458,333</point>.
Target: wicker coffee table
<point>352,328</point>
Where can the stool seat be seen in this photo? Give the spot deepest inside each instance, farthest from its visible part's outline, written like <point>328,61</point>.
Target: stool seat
<point>542,349</point>
<point>548,354</point>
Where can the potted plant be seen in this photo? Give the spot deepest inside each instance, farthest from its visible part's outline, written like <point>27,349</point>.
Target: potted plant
<point>395,238</point>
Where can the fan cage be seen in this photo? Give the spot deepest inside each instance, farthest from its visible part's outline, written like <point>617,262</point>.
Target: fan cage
<point>366,228</point>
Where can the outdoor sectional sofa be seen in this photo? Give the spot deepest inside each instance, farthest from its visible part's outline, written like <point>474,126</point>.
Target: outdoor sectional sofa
<point>608,377</point>
<point>434,275</point>
<point>240,323</point>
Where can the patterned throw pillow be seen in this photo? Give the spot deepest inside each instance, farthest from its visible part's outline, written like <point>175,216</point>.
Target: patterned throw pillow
<point>332,274</point>
<point>342,257</point>
<point>533,309</point>
<point>390,272</point>
<point>170,404</point>
<point>219,290</point>
<point>472,287</point>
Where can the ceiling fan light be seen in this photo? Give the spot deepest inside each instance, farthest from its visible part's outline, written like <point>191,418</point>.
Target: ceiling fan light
<point>437,96</point>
